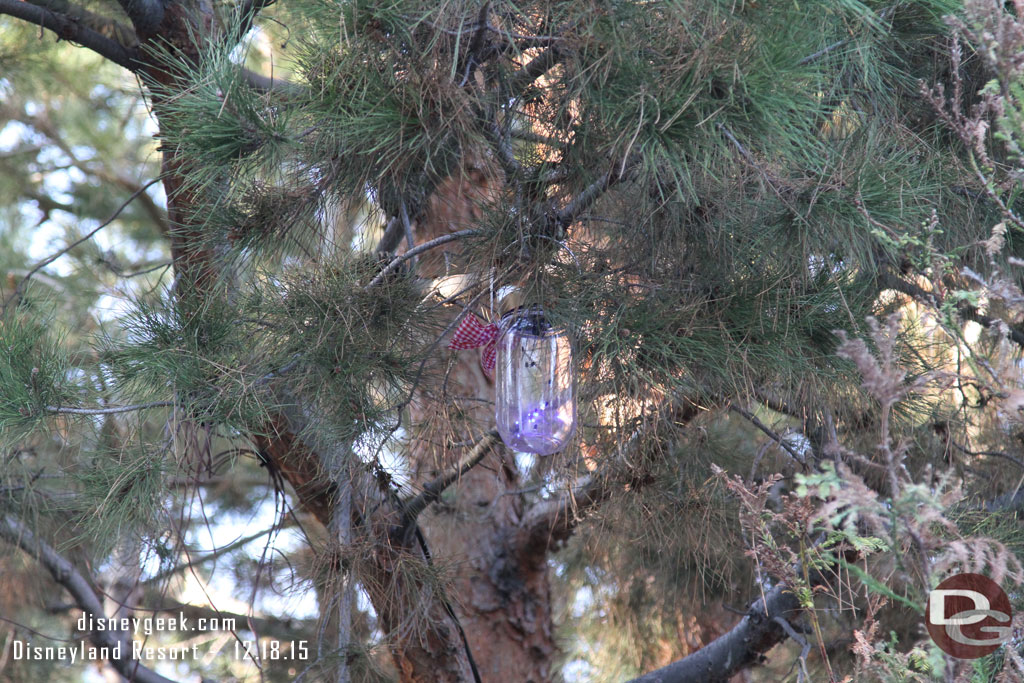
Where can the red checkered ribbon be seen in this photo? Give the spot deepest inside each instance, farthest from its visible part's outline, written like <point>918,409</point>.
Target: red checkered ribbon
<point>472,334</point>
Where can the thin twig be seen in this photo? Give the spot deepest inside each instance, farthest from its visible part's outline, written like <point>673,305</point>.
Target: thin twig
<point>995,454</point>
<point>821,53</point>
<point>805,646</point>
<point>433,489</point>
<point>212,555</point>
<point>53,257</point>
<point>426,246</point>
<point>775,436</point>
<point>108,411</point>
<point>144,271</point>
<point>585,199</point>
<point>885,13</point>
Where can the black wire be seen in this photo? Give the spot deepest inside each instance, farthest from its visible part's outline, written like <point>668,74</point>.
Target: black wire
<point>448,606</point>
<point>387,488</point>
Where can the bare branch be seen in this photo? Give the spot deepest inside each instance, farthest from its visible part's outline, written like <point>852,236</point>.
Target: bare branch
<point>502,148</point>
<point>535,68</point>
<point>554,520</point>
<point>68,29</point>
<point>105,26</point>
<point>822,52</point>
<point>994,454</point>
<point>775,436</point>
<point>213,554</point>
<point>426,246</point>
<point>112,410</point>
<point>433,489</point>
<point>53,257</point>
<point>744,644</point>
<point>805,646</point>
<point>436,650</point>
<point>590,194</point>
<point>65,573</point>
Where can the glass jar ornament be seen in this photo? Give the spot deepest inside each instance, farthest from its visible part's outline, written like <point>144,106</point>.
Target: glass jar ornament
<point>535,405</point>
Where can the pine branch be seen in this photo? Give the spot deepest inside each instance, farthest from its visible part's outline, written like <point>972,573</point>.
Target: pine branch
<point>992,454</point>
<point>213,554</point>
<point>435,652</point>
<point>551,521</point>
<point>822,52</point>
<point>590,194</point>
<point>89,30</point>
<point>433,489</point>
<point>65,573</point>
<point>66,28</point>
<point>884,14</point>
<point>772,434</point>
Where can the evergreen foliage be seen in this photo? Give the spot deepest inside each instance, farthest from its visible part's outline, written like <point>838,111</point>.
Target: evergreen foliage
<point>719,199</point>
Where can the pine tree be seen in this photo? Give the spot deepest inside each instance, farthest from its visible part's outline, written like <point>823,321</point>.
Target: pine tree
<point>713,197</point>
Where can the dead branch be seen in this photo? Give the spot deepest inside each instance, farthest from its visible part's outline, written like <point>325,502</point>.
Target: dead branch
<point>65,573</point>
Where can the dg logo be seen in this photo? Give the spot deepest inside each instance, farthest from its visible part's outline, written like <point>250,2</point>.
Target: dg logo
<point>968,616</point>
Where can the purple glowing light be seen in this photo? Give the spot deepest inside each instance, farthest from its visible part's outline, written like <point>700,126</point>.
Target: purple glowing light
<point>535,406</point>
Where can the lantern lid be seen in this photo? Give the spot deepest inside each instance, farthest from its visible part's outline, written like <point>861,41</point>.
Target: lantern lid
<point>528,320</point>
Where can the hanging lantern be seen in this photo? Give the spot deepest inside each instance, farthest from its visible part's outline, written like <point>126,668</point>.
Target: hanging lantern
<point>535,402</point>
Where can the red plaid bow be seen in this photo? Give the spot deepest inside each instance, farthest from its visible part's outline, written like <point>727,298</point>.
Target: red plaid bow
<point>471,334</point>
